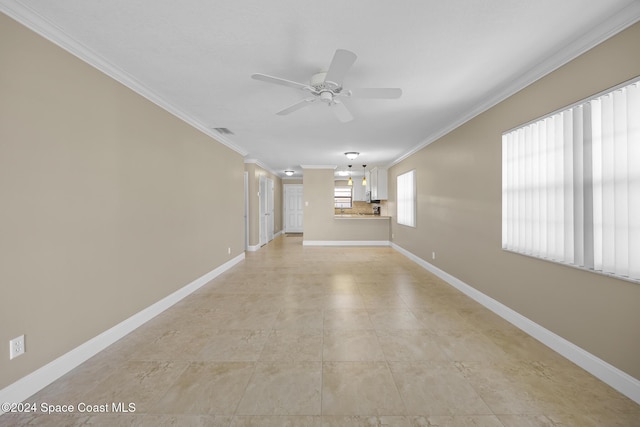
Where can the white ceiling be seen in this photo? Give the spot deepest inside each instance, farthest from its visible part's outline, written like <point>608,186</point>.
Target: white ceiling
<point>452,59</point>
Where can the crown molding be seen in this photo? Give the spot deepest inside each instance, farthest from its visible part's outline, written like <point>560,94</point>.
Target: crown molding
<point>608,28</point>
<point>605,30</point>
<point>41,26</point>
<point>319,166</point>
<point>263,166</point>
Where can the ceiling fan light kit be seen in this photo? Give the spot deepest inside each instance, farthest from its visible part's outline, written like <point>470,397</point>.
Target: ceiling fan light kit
<point>327,87</point>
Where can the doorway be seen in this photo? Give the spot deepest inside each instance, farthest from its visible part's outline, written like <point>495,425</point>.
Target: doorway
<point>293,208</point>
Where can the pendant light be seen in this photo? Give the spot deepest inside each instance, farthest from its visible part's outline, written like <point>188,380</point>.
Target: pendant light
<point>350,180</point>
<point>364,178</point>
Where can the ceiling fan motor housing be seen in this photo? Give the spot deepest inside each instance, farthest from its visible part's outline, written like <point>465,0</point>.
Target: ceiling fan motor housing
<point>326,96</point>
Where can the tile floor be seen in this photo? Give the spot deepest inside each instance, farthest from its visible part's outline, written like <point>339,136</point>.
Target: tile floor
<point>330,337</point>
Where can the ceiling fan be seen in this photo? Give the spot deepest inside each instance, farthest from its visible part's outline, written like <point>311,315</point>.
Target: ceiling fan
<point>327,87</point>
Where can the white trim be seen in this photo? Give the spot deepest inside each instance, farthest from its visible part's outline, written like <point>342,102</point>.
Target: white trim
<point>263,166</point>
<point>42,377</point>
<point>30,19</point>
<point>619,380</point>
<point>345,243</point>
<point>605,30</point>
<point>257,247</point>
<point>319,166</point>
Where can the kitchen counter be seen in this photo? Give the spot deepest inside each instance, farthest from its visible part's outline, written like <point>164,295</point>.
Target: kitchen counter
<point>359,216</point>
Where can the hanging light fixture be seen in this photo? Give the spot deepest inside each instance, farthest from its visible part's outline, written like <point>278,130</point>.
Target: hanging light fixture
<point>351,155</point>
<point>350,180</point>
<point>364,178</point>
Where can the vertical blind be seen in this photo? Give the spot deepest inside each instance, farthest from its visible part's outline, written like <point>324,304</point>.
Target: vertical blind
<point>571,185</point>
<point>406,198</point>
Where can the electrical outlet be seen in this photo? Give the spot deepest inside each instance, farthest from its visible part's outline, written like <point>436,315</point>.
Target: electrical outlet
<point>16,347</point>
<point>433,255</point>
<point>229,251</point>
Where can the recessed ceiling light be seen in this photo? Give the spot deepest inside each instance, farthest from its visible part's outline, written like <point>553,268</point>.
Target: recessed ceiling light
<point>351,155</point>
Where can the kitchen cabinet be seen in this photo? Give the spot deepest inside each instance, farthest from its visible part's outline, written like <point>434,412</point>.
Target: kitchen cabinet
<point>377,183</point>
<point>359,191</point>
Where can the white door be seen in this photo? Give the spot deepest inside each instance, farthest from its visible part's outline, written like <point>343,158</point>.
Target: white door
<point>269,214</point>
<point>262,202</point>
<point>246,211</point>
<point>293,208</point>
<point>266,195</point>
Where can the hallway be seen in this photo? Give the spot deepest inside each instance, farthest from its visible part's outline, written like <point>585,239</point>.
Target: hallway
<point>319,336</point>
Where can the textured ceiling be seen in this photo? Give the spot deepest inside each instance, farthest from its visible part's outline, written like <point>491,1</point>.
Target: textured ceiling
<point>452,59</point>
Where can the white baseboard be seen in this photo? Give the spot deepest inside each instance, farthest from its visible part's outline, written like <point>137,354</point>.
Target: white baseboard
<point>345,243</point>
<point>254,248</point>
<point>42,377</point>
<point>609,374</point>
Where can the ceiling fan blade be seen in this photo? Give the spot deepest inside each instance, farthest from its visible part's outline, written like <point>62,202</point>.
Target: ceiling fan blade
<point>340,64</point>
<point>376,93</point>
<point>298,105</point>
<point>279,81</point>
<point>341,111</point>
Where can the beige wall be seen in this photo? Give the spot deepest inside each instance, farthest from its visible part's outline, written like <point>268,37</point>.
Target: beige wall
<point>459,215</point>
<point>109,203</point>
<point>357,229</point>
<point>255,172</point>
<point>291,181</point>
<point>319,212</point>
<point>318,188</point>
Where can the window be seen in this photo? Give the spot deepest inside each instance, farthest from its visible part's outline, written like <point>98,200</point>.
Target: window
<point>342,196</point>
<point>406,195</point>
<point>571,185</point>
